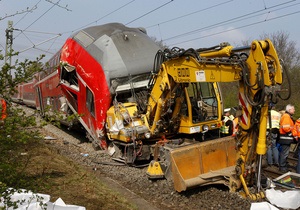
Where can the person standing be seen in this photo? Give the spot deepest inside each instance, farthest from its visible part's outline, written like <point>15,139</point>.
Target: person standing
<point>273,134</point>
<point>286,137</point>
<point>297,130</point>
<point>227,127</point>
<point>3,113</point>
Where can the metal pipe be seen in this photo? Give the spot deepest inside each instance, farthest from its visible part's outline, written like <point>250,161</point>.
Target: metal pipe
<point>258,184</point>
<point>239,49</point>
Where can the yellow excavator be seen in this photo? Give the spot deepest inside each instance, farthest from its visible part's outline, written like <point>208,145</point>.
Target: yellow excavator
<point>174,116</point>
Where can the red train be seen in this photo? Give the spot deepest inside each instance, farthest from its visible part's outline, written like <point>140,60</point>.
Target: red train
<point>94,65</point>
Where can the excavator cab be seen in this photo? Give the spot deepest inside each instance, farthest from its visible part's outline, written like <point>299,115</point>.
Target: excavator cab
<point>203,101</point>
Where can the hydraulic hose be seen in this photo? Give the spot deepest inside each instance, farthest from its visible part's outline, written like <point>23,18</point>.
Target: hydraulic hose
<point>289,83</point>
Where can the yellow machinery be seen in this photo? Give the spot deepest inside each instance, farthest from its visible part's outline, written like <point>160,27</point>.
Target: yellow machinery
<point>176,118</point>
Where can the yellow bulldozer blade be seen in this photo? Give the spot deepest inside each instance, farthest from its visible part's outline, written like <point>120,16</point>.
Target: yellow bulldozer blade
<point>210,162</point>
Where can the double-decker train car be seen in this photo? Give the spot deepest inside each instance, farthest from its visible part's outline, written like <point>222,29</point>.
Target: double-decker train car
<point>89,70</point>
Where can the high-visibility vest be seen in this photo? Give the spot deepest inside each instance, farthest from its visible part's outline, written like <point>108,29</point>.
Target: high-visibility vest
<point>224,128</point>
<point>275,119</point>
<point>297,128</point>
<point>225,119</point>
<point>286,124</point>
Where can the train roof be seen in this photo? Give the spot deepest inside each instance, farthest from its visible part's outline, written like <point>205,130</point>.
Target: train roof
<point>121,50</point>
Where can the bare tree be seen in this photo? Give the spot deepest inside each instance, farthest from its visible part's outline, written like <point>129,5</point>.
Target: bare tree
<point>159,43</point>
<point>285,48</point>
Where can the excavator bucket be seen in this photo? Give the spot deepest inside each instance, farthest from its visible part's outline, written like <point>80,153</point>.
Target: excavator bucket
<point>211,162</point>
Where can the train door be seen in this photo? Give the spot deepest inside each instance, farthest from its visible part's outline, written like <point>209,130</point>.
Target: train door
<point>40,101</point>
<point>90,102</point>
<point>90,117</point>
<point>20,92</point>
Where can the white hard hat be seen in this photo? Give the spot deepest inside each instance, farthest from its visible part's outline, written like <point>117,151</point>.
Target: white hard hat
<point>227,110</point>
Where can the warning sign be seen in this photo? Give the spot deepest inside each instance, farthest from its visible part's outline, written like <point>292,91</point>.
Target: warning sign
<point>200,76</point>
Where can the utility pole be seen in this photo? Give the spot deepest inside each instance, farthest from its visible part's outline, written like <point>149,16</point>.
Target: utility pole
<point>9,42</point>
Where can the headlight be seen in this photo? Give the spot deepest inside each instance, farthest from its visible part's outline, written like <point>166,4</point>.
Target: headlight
<point>204,128</point>
<point>147,135</point>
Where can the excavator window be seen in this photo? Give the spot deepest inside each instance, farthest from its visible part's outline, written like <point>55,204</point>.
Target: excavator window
<point>203,101</point>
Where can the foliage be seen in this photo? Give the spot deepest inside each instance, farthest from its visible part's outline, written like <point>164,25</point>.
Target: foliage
<point>23,72</point>
<point>230,94</point>
<point>18,132</point>
<point>14,145</point>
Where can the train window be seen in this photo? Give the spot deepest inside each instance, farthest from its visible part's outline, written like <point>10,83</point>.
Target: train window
<point>68,75</point>
<point>90,102</point>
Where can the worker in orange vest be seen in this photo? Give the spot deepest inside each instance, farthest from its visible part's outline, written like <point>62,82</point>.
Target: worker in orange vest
<point>297,137</point>
<point>286,136</point>
<point>2,111</point>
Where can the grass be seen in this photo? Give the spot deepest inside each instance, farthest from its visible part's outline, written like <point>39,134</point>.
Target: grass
<point>60,177</point>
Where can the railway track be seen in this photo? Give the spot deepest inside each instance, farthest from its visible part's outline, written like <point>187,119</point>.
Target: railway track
<point>158,194</point>
<point>73,145</point>
<point>273,172</point>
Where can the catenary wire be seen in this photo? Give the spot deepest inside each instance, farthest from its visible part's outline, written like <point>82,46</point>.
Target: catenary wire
<point>95,21</point>
<point>147,13</point>
<point>38,18</point>
<point>227,21</point>
<point>244,26</point>
<point>22,18</point>
<point>170,20</point>
<point>192,13</point>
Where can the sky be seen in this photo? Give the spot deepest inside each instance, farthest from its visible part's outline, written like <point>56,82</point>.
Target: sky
<point>42,26</point>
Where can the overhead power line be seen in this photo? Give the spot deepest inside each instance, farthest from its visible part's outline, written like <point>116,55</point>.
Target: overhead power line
<point>244,26</point>
<point>25,30</point>
<point>35,6</point>
<point>235,19</point>
<point>41,16</point>
<point>95,21</point>
<point>192,13</point>
<point>34,45</point>
<point>149,12</point>
<point>38,32</point>
<point>229,21</point>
